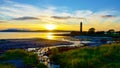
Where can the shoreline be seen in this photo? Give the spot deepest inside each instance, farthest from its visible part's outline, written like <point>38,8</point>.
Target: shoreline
<point>7,44</point>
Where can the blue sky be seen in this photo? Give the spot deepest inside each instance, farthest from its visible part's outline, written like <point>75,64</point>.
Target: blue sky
<point>94,5</point>
<point>60,12</point>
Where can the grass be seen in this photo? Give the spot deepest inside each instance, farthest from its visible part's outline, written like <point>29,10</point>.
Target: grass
<point>105,56</point>
<point>29,58</point>
<point>6,65</point>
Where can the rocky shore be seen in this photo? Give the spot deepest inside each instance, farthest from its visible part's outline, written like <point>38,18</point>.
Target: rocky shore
<point>8,44</point>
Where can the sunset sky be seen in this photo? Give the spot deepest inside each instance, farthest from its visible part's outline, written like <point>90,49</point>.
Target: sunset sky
<point>64,14</point>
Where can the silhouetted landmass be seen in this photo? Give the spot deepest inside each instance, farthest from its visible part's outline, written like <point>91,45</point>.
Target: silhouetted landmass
<point>90,32</point>
<point>25,30</point>
<point>98,33</point>
<point>14,30</point>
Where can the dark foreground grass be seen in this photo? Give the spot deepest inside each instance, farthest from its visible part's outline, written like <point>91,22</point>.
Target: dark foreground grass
<point>29,59</point>
<point>6,65</point>
<point>105,56</point>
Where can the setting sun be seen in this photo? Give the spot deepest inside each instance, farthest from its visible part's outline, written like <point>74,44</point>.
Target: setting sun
<point>50,27</point>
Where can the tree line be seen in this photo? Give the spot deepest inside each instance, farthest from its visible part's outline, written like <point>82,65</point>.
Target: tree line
<point>92,32</point>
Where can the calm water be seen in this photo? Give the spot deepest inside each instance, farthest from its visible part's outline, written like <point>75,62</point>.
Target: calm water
<point>19,35</point>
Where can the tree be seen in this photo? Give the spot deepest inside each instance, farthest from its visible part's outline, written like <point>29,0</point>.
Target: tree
<point>111,31</point>
<point>91,31</point>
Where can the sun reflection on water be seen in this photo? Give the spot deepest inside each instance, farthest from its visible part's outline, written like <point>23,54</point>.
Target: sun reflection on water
<point>50,36</point>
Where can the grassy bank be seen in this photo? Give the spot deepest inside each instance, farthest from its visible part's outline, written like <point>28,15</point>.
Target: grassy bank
<point>20,58</point>
<point>105,56</point>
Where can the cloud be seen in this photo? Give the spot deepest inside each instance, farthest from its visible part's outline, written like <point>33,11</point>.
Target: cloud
<point>52,14</point>
<point>108,16</point>
<point>15,10</point>
<point>66,17</point>
<point>26,18</point>
<point>61,17</point>
<point>106,12</point>
<point>83,13</point>
<point>1,21</point>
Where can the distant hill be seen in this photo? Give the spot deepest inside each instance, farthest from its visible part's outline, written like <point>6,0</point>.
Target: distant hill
<point>14,30</point>
<point>24,30</point>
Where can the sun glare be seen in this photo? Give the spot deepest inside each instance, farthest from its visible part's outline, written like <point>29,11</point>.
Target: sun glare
<point>50,27</point>
<point>50,36</point>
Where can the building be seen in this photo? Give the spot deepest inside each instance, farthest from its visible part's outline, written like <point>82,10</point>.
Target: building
<point>80,27</point>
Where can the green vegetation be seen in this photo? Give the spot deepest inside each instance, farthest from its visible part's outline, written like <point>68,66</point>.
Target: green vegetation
<point>6,65</point>
<point>41,65</point>
<point>15,54</point>
<point>28,58</point>
<point>105,56</point>
<point>54,56</point>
